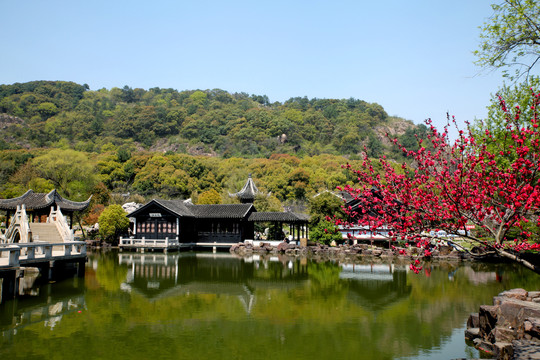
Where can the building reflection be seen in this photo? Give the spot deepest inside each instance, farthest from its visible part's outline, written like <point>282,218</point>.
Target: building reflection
<point>157,275</point>
<point>376,286</point>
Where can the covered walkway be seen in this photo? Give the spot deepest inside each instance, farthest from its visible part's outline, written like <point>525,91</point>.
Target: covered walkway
<point>298,224</point>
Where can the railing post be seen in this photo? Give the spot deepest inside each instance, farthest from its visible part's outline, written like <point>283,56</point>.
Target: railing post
<point>14,255</point>
<point>47,250</point>
<point>67,249</point>
<point>30,253</point>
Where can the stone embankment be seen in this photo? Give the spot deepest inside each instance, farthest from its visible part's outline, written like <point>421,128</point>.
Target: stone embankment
<point>510,328</point>
<point>345,251</point>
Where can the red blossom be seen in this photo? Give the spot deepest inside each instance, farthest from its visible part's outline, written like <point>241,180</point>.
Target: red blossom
<point>449,186</point>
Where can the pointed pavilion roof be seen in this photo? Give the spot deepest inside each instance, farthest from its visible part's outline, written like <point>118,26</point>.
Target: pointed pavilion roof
<point>248,192</point>
<point>36,201</point>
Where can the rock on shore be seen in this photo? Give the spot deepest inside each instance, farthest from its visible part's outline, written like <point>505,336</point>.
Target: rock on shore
<point>343,251</point>
<point>510,328</point>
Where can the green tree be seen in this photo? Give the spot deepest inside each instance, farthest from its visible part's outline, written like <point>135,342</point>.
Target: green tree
<point>63,167</point>
<point>516,96</point>
<point>374,147</point>
<point>511,37</point>
<point>112,223</point>
<point>47,109</point>
<point>323,205</point>
<point>209,197</point>
<point>267,203</point>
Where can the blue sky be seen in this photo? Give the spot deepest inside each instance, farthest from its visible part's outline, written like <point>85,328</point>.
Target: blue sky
<point>412,57</point>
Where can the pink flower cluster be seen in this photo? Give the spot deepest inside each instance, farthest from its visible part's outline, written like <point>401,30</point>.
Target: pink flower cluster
<point>488,180</point>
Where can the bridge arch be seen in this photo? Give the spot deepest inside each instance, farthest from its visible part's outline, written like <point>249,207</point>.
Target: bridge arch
<point>16,237</point>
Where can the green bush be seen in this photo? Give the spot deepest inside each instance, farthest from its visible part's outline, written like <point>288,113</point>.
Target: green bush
<point>112,223</point>
<point>325,232</point>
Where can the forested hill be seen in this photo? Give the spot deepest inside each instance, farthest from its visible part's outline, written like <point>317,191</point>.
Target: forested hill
<point>66,114</point>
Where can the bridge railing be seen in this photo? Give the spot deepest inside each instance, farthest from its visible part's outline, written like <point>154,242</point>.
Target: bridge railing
<point>61,223</point>
<point>12,252</point>
<point>18,223</point>
<point>132,242</point>
<point>42,251</point>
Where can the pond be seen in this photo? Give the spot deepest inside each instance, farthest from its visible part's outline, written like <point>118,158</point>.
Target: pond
<point>205,305</point>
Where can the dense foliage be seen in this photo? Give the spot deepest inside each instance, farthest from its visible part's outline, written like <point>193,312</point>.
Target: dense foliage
<point>121,144</point>
<point>68,115</point>
<point>79,174</point>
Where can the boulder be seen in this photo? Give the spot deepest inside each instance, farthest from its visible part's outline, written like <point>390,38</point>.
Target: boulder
<point>376,252</point>
<point>502,334</point>
<point>445,250</point>
<point>531,326</point>
<point>518,294</point>
<point>484,346</point>
<point>472,333</point>
<point>473,321</point>
<point>455,254</point>
<point>509,329</point>
<point>534,296</point>
<point>487,319</point>
<point>513,313</point>
<point>282,247</point>
<point>503,350</point>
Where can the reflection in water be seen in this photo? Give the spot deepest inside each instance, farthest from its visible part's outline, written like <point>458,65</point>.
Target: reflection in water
<point>159,275</point>
<point>41,305</point>
<point>376,286</point>
<point>202,305</point>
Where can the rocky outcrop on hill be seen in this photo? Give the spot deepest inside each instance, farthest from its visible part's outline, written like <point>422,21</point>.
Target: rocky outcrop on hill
<point>510,328</point>
<point>395,128</point>
<point>8,120</point>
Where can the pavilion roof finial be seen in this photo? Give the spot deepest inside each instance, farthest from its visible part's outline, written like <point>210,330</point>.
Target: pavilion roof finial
<point>248,192</point>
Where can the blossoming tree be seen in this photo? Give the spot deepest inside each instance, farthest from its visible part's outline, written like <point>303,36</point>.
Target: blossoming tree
<point>490,182</point>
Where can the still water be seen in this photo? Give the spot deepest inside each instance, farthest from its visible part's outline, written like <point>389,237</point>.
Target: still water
<point>219,306</point>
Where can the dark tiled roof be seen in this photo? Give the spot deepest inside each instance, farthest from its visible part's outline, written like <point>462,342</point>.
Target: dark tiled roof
<point>36,201</point>
<point>222,211</point>
<point>177,207</point>
<point>278,216</point>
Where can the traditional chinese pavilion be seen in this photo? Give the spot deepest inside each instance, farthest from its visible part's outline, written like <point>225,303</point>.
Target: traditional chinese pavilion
<point>225,223</point>
<point>248,193</point>
<point>38,205</point>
